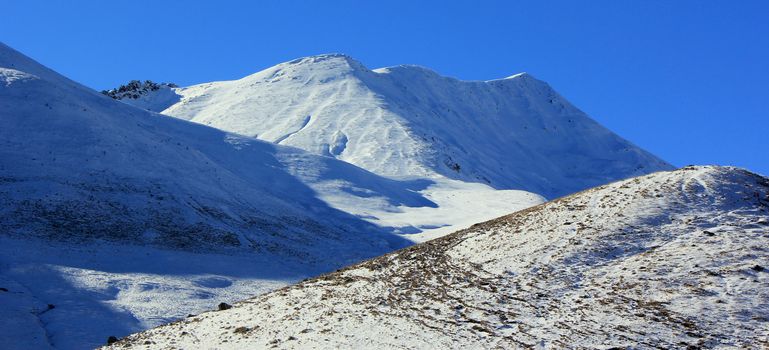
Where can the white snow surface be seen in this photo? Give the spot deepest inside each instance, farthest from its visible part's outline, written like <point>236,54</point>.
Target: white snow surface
<point>668,260</point>
<point>514,133</point>
<point>123,219</point>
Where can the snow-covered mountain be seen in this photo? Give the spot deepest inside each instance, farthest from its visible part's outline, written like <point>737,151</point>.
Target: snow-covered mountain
<point>669,260</point>
<point>513,133</point>
<point>122,219</point>
<point>78,166</point>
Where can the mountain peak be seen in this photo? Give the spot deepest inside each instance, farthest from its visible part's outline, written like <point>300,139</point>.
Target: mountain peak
<point>323,56</point>
<point>325,61</point>
<point>521,75</point>
<point>408,69</point>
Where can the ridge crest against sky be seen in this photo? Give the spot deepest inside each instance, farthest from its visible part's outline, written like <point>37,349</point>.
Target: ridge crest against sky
<point>686,80</point>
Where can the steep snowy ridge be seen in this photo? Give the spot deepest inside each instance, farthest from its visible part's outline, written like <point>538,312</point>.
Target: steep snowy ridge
<point>513,133</point>
<point>668,260</point>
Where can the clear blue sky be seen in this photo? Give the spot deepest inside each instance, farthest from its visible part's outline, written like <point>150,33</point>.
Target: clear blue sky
<point>687,80</point>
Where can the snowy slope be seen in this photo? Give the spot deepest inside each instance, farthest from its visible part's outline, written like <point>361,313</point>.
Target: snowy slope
<point>124,219</point>
<point>668,260</point>
<point>513,133</point>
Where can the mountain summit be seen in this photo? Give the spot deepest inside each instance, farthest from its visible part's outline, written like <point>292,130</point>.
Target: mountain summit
<point>405,121</point>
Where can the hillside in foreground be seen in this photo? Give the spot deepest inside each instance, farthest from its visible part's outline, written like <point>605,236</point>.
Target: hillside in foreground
<point>668,260</point>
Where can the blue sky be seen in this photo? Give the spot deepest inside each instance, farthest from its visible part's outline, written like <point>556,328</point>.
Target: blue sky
<point>687,80</point>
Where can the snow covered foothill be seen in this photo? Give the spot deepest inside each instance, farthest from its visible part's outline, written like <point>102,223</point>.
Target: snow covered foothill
<point>515,133</point>
<point>668,260</point>
<point>115,219</point>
